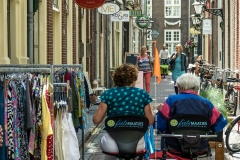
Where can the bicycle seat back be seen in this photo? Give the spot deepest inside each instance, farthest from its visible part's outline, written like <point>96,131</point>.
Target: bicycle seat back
<point>126,130</point>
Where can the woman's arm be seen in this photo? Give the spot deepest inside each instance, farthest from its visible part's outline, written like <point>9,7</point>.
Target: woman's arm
<point>149,114</point>
<point>99,115</point>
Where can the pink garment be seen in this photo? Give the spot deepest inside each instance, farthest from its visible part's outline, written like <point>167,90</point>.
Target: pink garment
<point>147,78</point>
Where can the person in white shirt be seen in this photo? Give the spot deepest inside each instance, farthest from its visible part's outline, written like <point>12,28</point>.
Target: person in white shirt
<point>164,55</point>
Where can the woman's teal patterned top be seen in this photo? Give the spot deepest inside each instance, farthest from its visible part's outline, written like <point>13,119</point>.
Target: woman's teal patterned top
<point>125,101</point>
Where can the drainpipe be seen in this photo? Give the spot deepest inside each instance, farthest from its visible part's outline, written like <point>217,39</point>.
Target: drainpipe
<point>30,29</point>
<point>96,46</point>
<point>212,32</point>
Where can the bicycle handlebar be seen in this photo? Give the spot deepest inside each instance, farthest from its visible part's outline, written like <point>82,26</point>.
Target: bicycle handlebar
<point>180,136</point>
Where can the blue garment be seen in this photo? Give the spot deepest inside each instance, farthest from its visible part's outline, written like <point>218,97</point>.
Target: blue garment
<point>2,149</point>
<point>183,62</point>
<point>126,101</point>
<point>177,72</point>
<point>188,102</point>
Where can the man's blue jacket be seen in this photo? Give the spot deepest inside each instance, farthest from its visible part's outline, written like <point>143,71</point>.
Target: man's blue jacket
<point>188,102</point>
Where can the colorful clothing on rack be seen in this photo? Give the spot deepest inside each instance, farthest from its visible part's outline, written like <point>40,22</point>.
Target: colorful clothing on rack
<point>10,122</point>
<point>23,150</point>
<point>2,149</point>
<point>46,128</point>
<point>75,111</point>
<point>49,138</point>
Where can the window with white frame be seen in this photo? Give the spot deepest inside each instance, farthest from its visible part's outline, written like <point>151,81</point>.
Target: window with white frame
<point>172,8</point>
<point>55,3</point>
<point>171,39</point>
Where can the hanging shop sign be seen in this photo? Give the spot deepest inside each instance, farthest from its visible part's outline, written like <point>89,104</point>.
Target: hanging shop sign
<point>142,21</point>
<point>135,13</point>
<point>90,4</point>
<point>207,26</point>
<point>121,16</point>
<point>108,8</point>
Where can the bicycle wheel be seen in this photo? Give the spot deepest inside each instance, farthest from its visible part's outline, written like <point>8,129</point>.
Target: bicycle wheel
<point>231,103</point>
<point>233,135</point>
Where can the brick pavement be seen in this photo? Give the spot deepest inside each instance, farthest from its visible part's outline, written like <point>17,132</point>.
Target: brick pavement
<point>158,92</point>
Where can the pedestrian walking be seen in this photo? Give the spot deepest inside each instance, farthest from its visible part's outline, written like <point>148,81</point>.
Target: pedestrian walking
<point>179,64</point>
<point>145,65</point>
<point>164,55</point>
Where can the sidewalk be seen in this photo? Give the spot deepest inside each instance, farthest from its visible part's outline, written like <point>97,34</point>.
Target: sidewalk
<point>94,133</point>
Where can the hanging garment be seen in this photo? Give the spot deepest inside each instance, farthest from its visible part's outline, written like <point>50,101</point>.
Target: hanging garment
<point>49,138</point>
<point>75,111</point>
<point>82,101</point>
<point>2,149</point>
<point>10,122</point>
<point>58,134</point>
<point>28,108</point>
<point>73,150</point>
<point>23,150</point>
<point>65,139</point>
<point>46,128</point>
<point>87,93</point>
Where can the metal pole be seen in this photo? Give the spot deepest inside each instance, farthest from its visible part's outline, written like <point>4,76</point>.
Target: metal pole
<point>192,55</point>
<point>30,28</point>
<point>200,44</point>
<point>96,45</point>
<point>12,70</point>
<point>212,32</point>
<point>107,47</point>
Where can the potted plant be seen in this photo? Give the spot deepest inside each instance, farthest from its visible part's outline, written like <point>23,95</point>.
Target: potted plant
<point>190,44</point>
<point>215,96</point>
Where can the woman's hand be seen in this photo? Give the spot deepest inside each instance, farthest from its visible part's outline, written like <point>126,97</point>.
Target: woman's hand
<point>173,57</point>
<point>160,106</point>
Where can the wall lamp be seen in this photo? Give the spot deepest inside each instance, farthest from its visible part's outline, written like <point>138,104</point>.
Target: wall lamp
<point>200,6</point>
<point>214,11</point>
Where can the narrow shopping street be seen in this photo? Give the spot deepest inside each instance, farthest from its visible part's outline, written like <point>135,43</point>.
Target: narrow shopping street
<point>94,134</point>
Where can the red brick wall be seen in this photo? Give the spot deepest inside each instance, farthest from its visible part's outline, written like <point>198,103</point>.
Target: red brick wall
<point>64,33</point>
<point>74,33</point>
<point>237,36</point>
<point>49,33</point>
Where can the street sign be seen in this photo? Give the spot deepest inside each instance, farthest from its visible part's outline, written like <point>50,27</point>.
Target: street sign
<point>142,21</point>
<point>121,16</point>
<point>90,4</point>
<point>207,26</point>
<point>135,13</point>
<point>108,8</point>
<point>154,34</point>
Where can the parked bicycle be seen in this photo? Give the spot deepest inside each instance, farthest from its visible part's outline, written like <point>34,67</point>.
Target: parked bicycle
<point>233,136</point>
<point>231,96</point>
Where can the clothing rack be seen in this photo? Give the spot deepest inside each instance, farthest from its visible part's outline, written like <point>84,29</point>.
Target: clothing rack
<point>60,84</point>
<point>79,66</point>
<point>53,67</point>
<point>12,70</point>
<point>26,65</point>
<point>42,68</point>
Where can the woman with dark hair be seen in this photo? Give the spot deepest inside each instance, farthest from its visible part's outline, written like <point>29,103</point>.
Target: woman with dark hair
<point>124,99</point>
<point>179,64</point>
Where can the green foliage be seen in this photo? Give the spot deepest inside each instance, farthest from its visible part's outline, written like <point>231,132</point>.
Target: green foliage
<point>215,96</point>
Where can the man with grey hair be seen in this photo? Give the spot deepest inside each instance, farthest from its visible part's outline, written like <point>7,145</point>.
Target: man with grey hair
<point>188,82</point>
<point>188,102</point>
